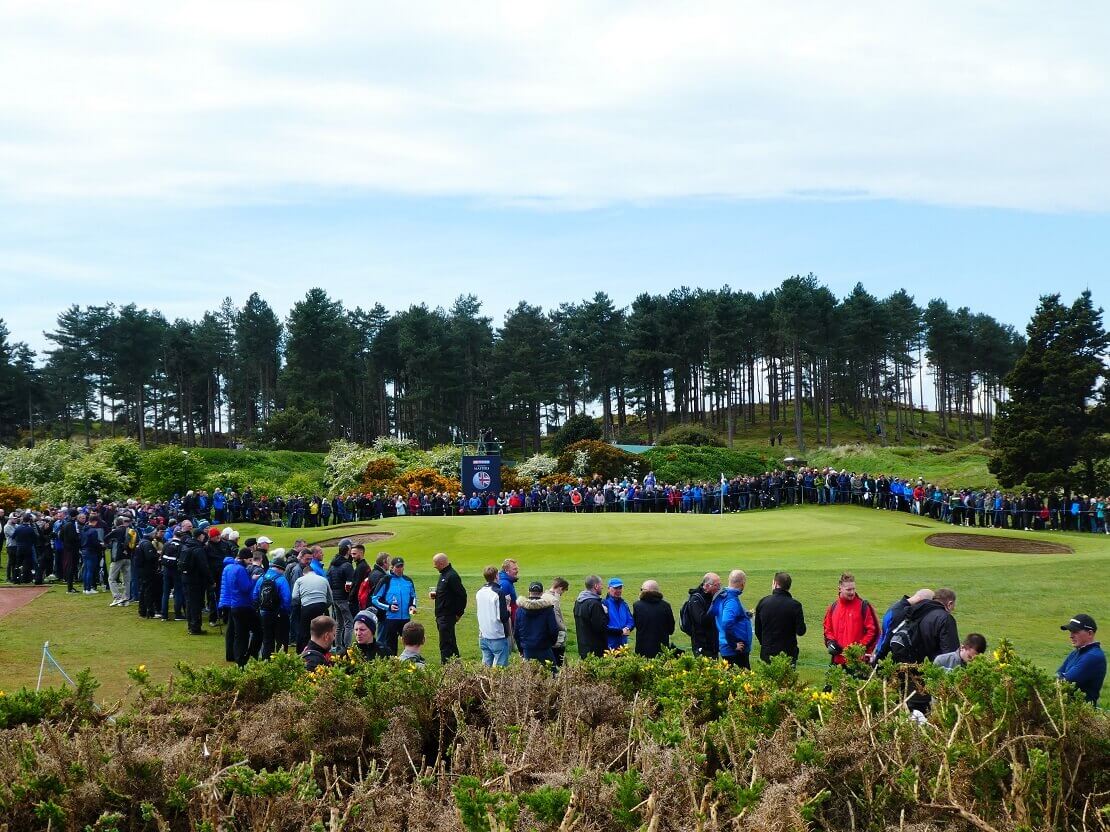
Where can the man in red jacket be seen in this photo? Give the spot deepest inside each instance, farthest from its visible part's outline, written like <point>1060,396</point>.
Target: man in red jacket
<point>850,620</point>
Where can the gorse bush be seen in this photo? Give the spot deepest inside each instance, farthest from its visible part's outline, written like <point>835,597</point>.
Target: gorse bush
<point>589,457</point>
<point>620,743</point>
<point>697,435</point>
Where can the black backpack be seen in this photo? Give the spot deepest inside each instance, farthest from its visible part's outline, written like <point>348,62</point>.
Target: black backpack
<point>268,598</point>
<point>903,644</point>
<point>685,619</point>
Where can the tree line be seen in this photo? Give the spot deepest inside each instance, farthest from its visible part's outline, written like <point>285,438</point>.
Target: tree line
<point>731,359</point>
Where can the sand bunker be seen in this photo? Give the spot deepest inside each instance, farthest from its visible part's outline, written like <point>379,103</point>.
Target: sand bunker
<point>993,543</point>
<point>370,537</point>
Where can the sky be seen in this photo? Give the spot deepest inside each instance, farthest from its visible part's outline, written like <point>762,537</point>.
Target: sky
<point>171,156</point>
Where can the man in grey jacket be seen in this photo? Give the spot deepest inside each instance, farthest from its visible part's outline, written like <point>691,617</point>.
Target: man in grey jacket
<point>312,597</point>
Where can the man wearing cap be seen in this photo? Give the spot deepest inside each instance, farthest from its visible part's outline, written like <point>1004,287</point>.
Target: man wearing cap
<point>535,628</point>
<point>450,604</point>
<point>273,600</point>
<point>1085,666</point>
<point>621,622</point>
<point>396,598</point>
<point>263,545</point>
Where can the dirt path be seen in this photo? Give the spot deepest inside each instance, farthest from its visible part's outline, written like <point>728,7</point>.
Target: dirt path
<point>14,597</point>
<point>370,537</point>
<point>993,543</point>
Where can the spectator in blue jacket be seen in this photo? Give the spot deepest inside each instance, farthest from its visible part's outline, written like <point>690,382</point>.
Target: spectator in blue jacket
<point>621,623</point>
<point>734,625</point>
<point>506,579</point>
<point>396,598</point>
<point>275,607</point>
<point>235,597</point>
<point>1085,666</point>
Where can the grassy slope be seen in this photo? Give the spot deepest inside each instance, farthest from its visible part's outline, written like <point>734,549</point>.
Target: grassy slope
<point>1018,596</point>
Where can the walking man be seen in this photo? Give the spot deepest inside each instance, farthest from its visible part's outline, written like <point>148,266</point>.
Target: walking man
<point>779,621</point>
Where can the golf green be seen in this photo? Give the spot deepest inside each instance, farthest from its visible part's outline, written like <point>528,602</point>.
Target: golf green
<point>1022,597</point>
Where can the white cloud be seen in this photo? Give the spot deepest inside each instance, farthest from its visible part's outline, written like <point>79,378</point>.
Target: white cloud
<point>570,104</point>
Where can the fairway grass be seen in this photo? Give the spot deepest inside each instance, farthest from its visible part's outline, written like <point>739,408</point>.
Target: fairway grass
<point>1021,597</point>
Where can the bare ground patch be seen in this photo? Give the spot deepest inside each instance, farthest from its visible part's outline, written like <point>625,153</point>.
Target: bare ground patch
<point>14,597</point>
<point>993,543</point>
<point>368,537</point>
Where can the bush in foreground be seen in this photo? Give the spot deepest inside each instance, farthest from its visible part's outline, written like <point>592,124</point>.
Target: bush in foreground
<point>616,744</point>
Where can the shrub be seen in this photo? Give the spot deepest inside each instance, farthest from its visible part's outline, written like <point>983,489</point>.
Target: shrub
<point>40,468</point>
<point>407,453</point>
<point>226,480</point>
<point>167,470</point>
<point>575,429</point>
<point>697,435</point>
<point>685,463</point>
<point>88,478</point>
<point>303,484</point>
<point>447,459</point>
<point>379,472</point>
<point>537,467</point>
<point>422,479</point>
<point>601,458</point>
<point>124,457</point>
<point>345,465</point>
<point>13,497</point>
<point>511,480</point>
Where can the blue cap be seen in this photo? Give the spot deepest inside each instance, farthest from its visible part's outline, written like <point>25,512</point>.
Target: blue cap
<point>615,582</point>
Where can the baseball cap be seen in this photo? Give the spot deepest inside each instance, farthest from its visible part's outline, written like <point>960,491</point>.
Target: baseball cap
<point>264,539</point>
<point>1080,622</point>
<point>535,586</point>
<point>615,582</point>
<point>213,532</point>
<point>346,543</point>
<point>397,562</point>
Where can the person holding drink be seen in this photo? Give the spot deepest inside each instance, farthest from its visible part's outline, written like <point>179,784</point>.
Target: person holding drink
<point>396,598</point>
<point>449,596</point>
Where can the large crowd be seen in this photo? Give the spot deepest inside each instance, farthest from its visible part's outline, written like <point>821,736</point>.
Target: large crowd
<point>268,600</point>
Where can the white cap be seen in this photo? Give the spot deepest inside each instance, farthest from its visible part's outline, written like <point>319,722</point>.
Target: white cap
<point>264,539</point>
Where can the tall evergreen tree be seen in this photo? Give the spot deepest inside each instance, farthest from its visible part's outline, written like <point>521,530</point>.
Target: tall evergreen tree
<point>1050,432</point>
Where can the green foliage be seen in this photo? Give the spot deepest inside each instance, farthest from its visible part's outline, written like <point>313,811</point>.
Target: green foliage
<point>686,463</point>
<point>296,429</point>
<point>301,483</point>
<point>629,793</point>
<point>344,466</point>
<point>548,804</point>
<point>88,478</point>
<point>165,471</point>
<point>482,810</point>
<point>41,468</point>
<point>407,453</point>
<point>29,707</point>
<point>575,429</point>
<point>600,458</point>
<point>446,459</point>
<point>536,467</point>
<point>122,456</point>
<point>690,434</point>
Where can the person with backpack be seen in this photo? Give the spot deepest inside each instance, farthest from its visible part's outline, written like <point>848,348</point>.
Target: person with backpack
<point>341,576</point>
<point>273,600</point>
<point>779,621</point>
<point>734,624</point>
<point>936,627</point>
<point>850,620</point>
<point>695,620</point>
<point>894,617</point>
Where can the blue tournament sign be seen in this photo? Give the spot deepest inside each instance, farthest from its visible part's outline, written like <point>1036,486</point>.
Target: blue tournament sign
<point>481,474</point>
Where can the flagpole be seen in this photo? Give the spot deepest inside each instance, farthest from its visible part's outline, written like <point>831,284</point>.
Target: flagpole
<point>42,665</point>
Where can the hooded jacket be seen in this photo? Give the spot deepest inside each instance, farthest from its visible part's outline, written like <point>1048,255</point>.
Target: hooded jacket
<point>733,624</point>
<point>591,623</point>
<point>535,628</point>
<point>937,631</point>
<point>280,584</point>
<point>395,590</point>
<point>703,626</point>
<point>235,586</point>
<point>654,623</point>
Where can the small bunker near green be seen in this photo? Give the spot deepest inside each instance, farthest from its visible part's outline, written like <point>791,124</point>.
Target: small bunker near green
<point>994,543</point>
<point>371,537</point>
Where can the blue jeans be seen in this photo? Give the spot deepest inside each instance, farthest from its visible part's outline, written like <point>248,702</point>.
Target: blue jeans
<point>89,564</point>
<point>495,651</point>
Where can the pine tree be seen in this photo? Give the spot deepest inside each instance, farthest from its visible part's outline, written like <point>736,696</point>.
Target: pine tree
<point>1049,433</point>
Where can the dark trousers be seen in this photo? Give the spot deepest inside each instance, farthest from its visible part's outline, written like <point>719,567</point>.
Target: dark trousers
<point>393,627</point>
<point>275,633</point>
<point>194,602</point>
<point>448,646</point>
<point>237,639</point>
<point>148,594</point>
<point>171,582</point>
<point>303,625</point>
<point>741,660</point>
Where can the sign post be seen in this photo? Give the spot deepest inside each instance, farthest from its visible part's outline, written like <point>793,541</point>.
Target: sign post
<point>481,474</point>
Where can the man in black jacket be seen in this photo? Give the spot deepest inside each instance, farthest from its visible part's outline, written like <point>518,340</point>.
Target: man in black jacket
<point>361,571</point>
<point>654,620</point>
<point>340,577</point>
<point>70,536</point>
<point>192,564</point>
<point>591,621</point>
<point>779,621</point>
<point>936,631</point>
<point>703,627</point>
<point>146,567</point>
<point>450,604</point>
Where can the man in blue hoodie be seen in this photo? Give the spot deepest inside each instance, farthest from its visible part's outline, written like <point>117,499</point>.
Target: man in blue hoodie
<point>272,598</point>
<point>235,597</point>
<point>621,623</point>
<point>1085,666</point>
<point>396,597</point>
<point>734,626</point>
